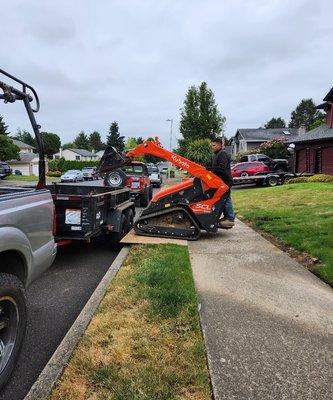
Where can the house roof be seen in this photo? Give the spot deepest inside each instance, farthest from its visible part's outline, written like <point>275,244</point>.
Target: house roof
<point>267,134</point>
<point>329,96</point>
<point>21,145</point>
<point>83,152</point>
<point>322,132</point>
<point>24,158</point>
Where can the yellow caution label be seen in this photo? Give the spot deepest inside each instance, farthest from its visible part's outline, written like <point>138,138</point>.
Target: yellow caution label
<point>167,205</point>
<point>209,176</point>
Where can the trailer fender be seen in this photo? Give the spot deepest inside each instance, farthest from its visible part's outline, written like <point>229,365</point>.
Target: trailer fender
<point>114,217</point>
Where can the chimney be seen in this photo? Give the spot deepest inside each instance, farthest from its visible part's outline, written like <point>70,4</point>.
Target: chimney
<point>301,130</point>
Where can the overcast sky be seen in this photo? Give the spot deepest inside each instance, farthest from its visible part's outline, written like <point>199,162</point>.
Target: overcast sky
<point>93,62</point>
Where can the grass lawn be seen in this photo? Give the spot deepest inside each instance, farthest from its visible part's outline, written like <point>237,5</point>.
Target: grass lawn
<point>144,342</point>
<point>25,178</point>
<point>300,215</point>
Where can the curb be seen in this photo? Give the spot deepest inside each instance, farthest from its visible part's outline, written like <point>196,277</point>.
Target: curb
<point>43,386</point>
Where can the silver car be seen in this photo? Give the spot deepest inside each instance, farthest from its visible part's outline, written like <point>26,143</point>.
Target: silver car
<point>154,176</point>
<point>73,175</point>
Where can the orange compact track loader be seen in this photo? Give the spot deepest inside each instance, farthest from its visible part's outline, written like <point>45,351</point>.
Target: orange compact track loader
<point>179,211</point>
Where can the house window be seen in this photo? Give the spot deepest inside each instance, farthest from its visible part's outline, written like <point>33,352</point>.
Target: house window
<point>77,158</point>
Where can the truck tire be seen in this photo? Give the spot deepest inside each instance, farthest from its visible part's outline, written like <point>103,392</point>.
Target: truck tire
<point>115,179</point>
<point>13,319</point>
<point>144,198</point>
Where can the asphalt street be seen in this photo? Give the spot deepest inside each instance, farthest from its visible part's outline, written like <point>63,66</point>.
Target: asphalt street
<point>54,301</point>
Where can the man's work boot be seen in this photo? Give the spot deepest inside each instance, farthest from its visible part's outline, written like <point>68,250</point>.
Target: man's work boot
<point>226,224</point>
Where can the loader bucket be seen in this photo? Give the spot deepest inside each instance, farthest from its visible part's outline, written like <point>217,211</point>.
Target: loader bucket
<point>112,159</point>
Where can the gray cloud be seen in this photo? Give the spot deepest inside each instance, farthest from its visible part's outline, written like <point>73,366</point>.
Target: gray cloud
<point>95,62</point>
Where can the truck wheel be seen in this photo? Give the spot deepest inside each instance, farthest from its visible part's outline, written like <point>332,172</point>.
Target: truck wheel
<point>144,198</point>
<point>13,318</point>
<point>272,181</point>
<point>115,179</point>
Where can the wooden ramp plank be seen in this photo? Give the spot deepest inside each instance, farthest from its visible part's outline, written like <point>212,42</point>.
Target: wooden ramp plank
<point>133,238</point>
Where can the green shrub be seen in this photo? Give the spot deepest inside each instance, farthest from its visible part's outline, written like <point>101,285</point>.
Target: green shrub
<point>64,165</point>
<point>300,179</point>
<point>54,173</point>
<point>172,173</point>
<point>321,178</point>
<point>314,178</point>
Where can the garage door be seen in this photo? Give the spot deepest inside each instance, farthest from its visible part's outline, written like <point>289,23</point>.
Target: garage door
<point>327,160</point>
<point>35,169</point>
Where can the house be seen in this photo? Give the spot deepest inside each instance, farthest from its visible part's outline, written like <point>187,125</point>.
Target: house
<point>27,164</point>
<point>313,150</point>
<point>76,155</point>
<point>24,148</point>
<point>248,139</point>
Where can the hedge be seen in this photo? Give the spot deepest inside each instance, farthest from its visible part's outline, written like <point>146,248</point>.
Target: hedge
<point>313,178</point>
<point>63,165</point>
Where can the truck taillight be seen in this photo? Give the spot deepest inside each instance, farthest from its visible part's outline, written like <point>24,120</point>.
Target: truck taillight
<point>142,181</point>
<point>128,181</point>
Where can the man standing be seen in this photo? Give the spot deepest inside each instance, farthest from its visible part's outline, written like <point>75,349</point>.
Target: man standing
<point>220,165</point>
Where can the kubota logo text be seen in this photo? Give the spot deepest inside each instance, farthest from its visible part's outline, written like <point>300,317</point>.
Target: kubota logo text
<point>178,161</point>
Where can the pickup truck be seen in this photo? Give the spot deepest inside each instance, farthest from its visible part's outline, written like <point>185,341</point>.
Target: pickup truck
<point>276,165</point>
<point>27,248</point>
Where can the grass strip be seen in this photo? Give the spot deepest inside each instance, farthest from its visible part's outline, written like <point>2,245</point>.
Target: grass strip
<point>144,342</point>
<point>299,215</point>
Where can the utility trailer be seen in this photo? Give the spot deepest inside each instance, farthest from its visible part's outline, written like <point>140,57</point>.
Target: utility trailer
<point>86,212</point>
<point>268,179</point>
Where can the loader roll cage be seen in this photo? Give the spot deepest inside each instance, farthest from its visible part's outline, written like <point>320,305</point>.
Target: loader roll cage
<point>11,94</point>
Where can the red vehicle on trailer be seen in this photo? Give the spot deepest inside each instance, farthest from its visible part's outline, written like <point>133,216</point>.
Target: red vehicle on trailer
<point>249,169</point>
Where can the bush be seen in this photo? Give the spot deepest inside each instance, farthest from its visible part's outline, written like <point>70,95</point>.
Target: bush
<point>54,173</point>
<point>321,178</point>
<point>274,148</point>
<point>62,165</point>
<point>300,179</point>
<point>199,151</point>
<point>314,178</point>
<point>172,173</point>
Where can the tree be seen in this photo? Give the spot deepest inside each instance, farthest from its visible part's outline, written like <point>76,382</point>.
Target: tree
<point>275,123</point>
<point>130,143</point>
<point>199,151</point>
<point>95,141</point>
<point>8,150</point>
<point>319,121</point>
<point>52,143</point>
<point>305,114</point>
<point>81,141</point>
<point>69,145</point>
<point>114,139</point>
<point>3,127</point>
<point>200,117</point>
<point>139,140</point>
<point>25,137</point>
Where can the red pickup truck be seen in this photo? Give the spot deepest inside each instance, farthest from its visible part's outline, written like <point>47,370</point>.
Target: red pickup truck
<point>137,180</point>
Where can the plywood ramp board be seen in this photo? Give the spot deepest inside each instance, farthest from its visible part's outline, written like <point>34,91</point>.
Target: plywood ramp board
<point>133,238</point>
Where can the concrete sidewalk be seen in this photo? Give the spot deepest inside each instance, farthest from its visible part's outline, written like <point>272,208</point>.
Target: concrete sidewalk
<point>267,321</point>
